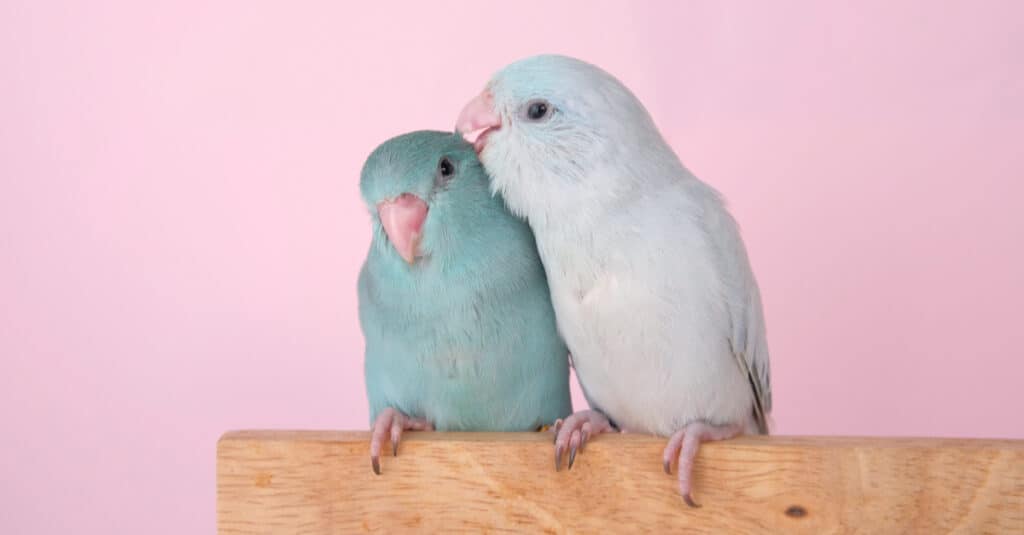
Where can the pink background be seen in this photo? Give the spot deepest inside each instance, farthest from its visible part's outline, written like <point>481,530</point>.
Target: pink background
<point>180,227</point>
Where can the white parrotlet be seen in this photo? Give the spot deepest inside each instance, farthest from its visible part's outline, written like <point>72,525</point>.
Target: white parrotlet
<point>649,277</point>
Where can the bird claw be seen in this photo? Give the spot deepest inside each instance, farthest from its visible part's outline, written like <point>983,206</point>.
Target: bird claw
<point>573,433</point>
<point>684,445</point>
<point>577,447</point>
<point>395,422</point>
<point>556,428</point>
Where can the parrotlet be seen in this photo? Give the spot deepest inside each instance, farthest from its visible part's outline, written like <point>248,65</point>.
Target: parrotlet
<point>453,301</point>
<point>650,279</point>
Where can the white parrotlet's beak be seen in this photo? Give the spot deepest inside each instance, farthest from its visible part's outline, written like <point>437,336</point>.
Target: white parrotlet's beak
<point>479,115</point>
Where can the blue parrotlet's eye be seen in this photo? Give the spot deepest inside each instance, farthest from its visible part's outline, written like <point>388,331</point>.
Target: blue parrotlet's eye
<point>538,110</point>
<point>445,170</point>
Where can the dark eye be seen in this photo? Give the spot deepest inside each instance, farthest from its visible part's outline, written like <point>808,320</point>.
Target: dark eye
<point>445,170</point>
<point>537,110</point>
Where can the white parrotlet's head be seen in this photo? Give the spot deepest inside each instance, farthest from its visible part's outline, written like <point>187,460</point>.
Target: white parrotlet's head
<point>555,132</point>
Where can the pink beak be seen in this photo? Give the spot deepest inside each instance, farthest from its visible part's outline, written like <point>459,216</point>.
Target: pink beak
<point>478,115</point>
<point>402,218</point>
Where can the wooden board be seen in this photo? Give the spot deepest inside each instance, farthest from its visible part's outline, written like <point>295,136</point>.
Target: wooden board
<point>321,482</point>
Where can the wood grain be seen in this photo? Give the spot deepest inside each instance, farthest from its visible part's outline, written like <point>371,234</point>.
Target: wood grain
<point>320,482</point>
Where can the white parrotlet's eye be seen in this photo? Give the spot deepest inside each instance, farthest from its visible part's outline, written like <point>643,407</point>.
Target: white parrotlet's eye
<point>445,171</point>
<point>538,110</point>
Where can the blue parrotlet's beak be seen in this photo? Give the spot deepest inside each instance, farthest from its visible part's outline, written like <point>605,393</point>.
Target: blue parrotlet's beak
<point>402,219</point>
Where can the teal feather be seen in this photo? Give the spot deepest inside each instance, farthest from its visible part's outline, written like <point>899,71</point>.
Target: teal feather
<point>465,337</point>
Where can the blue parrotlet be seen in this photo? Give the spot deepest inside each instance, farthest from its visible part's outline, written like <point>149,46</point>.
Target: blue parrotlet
<point>453,300</point>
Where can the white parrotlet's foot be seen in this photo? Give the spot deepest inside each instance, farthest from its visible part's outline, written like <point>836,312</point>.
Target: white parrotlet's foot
<point>573,432</point>
<point>685,443</point>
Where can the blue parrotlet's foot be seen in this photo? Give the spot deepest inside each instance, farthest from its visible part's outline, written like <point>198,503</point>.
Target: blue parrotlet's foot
<point>392,423</point>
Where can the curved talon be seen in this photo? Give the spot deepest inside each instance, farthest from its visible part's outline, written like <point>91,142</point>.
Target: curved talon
<point>557,427</point>
<point>684,445</point>
<point>573,432</point>
<point>667,464</point>
<point>396,422</point>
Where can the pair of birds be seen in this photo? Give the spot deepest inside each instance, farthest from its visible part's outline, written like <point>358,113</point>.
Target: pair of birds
<point>568,226</point>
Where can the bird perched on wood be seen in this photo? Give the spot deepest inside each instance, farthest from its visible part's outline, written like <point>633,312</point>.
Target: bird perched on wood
<point>453,301</point>
<point>650,280</point>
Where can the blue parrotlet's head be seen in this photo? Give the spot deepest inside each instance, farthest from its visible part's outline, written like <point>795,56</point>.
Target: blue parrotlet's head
<point>426,192</point>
